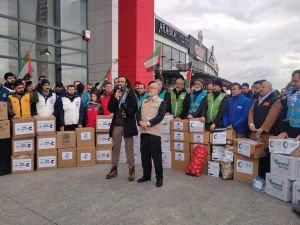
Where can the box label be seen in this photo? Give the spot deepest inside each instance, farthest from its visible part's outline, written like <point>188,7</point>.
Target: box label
<point>283,146</point>
<point>85,136</point>
<point>227,156</point>
<point>23,145</point>
<point>179,146</point>
<point>196,126</point>
<point>179,156</point>
<point>178,125</point>
<point>47,161</point>
<point>22,164</point>
<point>45,126</point>
<point>198,138</point>
<point>178,136</point>
<point>67,155</point>
<point>104,155</point>
<point>213,168</point>
<point>244,167</point>
<point>103,124</point>
<point>24,128</point>
<point>217,153</point>
<point>219,138</point>
<point>47,143</point>
<point>244,148</point>
<point>85,156</point>
<point>104,139</point>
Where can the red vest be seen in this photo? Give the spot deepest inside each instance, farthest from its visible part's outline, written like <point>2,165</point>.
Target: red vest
<point>92,112</point>
<point>104,101</point>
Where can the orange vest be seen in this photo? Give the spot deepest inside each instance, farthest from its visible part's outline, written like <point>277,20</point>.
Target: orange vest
<point>21,107</point>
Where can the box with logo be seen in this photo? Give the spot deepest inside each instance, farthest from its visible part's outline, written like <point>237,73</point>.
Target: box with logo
<point>23,128</point>
<point>86,157</point>
<point>46,143</point>
<point>196,126</point>
<point>288,146</point>
<point>103,156</point>
<point>166,159</point>
<point>4,129</point>
<point>45,125</point>
<point>66,139</point>
<point>182,125</point>
<point>46,160</point>
<point>279,187</point>
<point>3,111</point>
<point>228,154</point>
<point>180,160</point>
<point>166,142</point>
<point>249,148</point>
<point>296,193</point>
<point>85,137</point>
<point>165,124</point>
<point>23,147</point>
<point>284,166</point>
<point>222,137</point>
<point>179,136</point>
<point>103,123</point>
<point>245,169</point>
<point>199,138</point>
<point>22,164</point>
<point>66,157</point>
<point>103,141</point>
<point>213,168</point>
<point>180,146</point>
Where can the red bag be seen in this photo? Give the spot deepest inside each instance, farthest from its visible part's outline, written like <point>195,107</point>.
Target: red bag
<point>198,161</point>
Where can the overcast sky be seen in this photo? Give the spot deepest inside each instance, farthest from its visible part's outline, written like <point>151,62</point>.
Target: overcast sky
<point>253,39</point>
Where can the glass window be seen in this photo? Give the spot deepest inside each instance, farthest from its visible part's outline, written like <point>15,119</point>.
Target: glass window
<point>38,33</point>
<point>73,57</point>
<point>182,57</point>
<point>73,41</point>
<point>8,65</point>
<point>175,58</point>
<point>40,11</point>
<point>8,7</point>
<point>167,57</point>
<point>38,52</point>
<point>8,47</point>
<point>45,69</point>
<point>8,27</point>
<point>73,15</point>
<point>70,73</point>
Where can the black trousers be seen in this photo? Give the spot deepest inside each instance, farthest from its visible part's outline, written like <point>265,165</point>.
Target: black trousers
<point>5,156</point>
<point>71,127</point>
<point>151,148</point>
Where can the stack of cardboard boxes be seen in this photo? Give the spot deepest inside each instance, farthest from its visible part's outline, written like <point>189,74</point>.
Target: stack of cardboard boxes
<point>4,122</point>
<point>285,169</point>
<point>86,151</point>
<point>166,141</point>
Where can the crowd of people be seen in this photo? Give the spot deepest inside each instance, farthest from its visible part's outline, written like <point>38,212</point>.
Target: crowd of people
<point>256,113</point>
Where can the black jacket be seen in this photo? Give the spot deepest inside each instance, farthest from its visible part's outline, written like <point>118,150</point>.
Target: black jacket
<point>131,109</point>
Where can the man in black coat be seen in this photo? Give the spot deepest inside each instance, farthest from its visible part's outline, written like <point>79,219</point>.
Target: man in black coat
<point>124,106</point>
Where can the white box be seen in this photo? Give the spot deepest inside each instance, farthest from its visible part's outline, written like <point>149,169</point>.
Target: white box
<point>298,170</point>
<point>283,166</point>
<point>165,124</point>
<point>296,193</point>
<point>219,138</point>
<point>228,156</point>
<point>167,159</point>
<point>279,187</point>
<point>166,146</point>
<point>283,146</point>
<point>213,169</point>
<point>217,153</point>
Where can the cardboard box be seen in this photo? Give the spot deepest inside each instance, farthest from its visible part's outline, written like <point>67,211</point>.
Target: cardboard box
<point>217,153</point>
<point>222,137</point>
<point>182,125</point>
<point>103,123</point>
<point>22,164</point>
<point>245,169</point>
<point>85,137</point>
<point>296,193</point>
<point>23,147</point>
<point>66,139</point>
<point>196,126</point>
<point>4,129</point>
<point>103,141</point>
<point>228,154</point>
<point>46,143</point>
<point>23,128</point>
<point>103,156</point>
<point>249,148</point>
<point>199,138</point>
<point>86,157</point>
<point>46,160</point>
<point>279,187</point>
<point>180,160</point>
<point>66,157</point>
<point>298,170</point>
<point>180,146</point>
<point>165,124</point>
<point>45,125</point>
<point>288,146</point>
<point>213,168</point>
<point>166,159</point>
<point>284,166</point>
<point>179,136</point>
<point>3,111</point>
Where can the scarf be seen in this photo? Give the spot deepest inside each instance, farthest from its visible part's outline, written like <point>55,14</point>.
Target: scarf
<point>124,96</point>
<point>292,96</point>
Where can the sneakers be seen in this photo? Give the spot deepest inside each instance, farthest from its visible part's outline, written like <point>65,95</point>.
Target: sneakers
<point>131,176</point>
<point>113,173</point>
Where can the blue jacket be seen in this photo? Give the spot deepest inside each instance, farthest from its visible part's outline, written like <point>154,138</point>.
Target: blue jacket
<point>237,113</point>
<point>5,92</point>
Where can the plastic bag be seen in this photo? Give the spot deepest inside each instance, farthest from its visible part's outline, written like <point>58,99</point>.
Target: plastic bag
<point>227,170</point>
<point>199,159</point>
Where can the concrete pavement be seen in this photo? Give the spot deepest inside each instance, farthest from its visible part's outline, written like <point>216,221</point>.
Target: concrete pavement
<point>83,196</point>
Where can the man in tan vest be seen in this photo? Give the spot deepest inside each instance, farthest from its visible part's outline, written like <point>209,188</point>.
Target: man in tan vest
<point>149,119</point>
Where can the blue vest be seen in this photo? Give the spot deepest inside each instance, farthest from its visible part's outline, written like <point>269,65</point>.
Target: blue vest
<point>162,94</point>
<point>293,114</point>
<point>194,105</point>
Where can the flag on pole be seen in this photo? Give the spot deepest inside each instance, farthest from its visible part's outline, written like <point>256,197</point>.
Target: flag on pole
<point>154,59</point>
<point>108,74</point>
<point>26,67</point>
<point>187,75</point>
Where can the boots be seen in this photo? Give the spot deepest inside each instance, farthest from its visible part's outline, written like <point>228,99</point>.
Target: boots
<point>131,174</point>
<point>159,181</point>
<point>113,173</point>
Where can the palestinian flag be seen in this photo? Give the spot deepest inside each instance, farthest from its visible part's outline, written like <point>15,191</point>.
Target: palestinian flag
<point>154,59</point>
<point>26,67</point>
<point>187,75</point>
<point>108,74</point>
